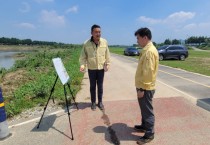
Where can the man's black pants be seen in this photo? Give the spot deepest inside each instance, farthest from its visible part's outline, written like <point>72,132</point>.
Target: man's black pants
<point>148,118</point>
<point>96,77</point>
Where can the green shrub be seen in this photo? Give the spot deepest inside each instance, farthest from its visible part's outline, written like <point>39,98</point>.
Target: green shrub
<point>41,76</point>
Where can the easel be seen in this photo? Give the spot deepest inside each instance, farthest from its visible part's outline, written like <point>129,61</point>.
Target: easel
<point>65,93</point>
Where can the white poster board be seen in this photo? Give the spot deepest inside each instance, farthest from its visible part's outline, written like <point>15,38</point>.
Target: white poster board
<point>61,71</point>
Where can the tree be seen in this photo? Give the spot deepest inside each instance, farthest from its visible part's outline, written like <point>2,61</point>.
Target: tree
<point>27,41</point>
<point>175,41</point>
<point>196,40</point>
<point>167,42</point>
<point>201,40</point>
<point>14,41</point>
<point>155,44</point>
<point>135,45</point>
<point>4,40</point>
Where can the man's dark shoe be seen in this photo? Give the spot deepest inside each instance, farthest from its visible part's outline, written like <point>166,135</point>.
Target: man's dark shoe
<point>101,106</point>
<point>93,106</point>
<point>140,128</point>
<point>145,139</point>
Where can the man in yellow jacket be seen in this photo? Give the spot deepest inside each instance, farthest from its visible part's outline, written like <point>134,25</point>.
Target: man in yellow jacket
<point>96,57</point>
<point>145,79</point>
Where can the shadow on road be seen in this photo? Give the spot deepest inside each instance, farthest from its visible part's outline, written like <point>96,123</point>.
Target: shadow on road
<point>82,105</point>
<point>46,124</point>
<point>117,132</point>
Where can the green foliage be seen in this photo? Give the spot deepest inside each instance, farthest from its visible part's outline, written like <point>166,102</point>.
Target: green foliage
<point>167,42</point>
<point>196,40</point>
<point>175,41</point>
<point>2,71</point>
<point>171,42</point>
<point>117,50</point>
<point>16,41</point>
<point>41,76</point>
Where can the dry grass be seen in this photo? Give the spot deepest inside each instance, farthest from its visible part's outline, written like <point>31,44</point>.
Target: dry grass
<point>17,47</point>
<point>11,81</point>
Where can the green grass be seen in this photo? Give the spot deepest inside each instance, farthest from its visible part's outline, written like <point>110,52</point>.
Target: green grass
<point>198,61</point>
<point>117,50</point>
<point>39,78</point>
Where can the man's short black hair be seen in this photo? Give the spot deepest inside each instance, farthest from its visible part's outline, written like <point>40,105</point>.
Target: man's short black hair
<point>94,26</point>
<point>144,32</point>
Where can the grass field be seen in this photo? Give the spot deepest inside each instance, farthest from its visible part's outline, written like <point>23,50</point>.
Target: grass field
<point>198,61</point>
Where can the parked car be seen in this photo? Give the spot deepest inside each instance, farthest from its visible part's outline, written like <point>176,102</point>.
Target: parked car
<point>131,51</point>
<point>173,51</point>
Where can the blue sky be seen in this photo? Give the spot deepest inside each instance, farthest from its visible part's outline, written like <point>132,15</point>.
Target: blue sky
<point>69,21</point>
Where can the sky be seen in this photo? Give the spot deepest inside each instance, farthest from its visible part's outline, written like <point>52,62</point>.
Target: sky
<point>70,21</point>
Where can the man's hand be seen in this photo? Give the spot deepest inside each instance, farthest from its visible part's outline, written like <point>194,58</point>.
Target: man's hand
<point>82,68</point>
<point>140,94</point>
<point>106,67</point>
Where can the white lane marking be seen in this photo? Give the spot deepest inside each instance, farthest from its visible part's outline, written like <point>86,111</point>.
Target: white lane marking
<point>177,75</point>
<point>190,97</point>
<point>185,79</point>
<point>35,119</point>
<point>185,71</point>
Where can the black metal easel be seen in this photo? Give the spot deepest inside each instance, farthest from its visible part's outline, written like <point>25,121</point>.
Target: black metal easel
<point>67,105</point>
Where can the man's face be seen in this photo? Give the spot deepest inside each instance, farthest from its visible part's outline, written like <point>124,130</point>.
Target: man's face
<point>96,33</point>
<point>141,40</point>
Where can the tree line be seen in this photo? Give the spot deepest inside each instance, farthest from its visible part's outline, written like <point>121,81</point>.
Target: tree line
<point>16,41</point>
<point>193,40</point>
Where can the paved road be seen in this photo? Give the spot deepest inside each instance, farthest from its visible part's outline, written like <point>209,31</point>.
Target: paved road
<point>178,121</point>
<point>196,87</point>
<point>197,49</point>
